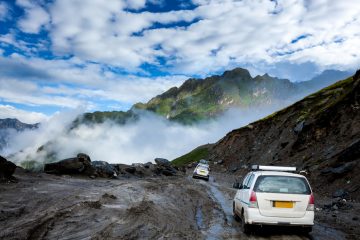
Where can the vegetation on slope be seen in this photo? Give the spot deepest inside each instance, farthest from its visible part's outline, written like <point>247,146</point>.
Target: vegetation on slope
<point>195,155</point>
<point>203,99</point>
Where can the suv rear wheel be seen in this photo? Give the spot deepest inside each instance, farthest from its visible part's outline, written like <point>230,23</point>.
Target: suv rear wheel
<point>246,228</point>
<point>236,217</point>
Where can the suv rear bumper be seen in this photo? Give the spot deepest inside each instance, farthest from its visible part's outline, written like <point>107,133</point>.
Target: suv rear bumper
<point>195,175</point>
<point>253,216</point>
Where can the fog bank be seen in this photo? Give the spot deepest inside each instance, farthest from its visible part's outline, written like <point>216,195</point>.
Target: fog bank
<point>138,142</point>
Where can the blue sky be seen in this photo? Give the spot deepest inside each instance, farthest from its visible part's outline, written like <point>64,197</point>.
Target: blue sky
<point>107,55</point>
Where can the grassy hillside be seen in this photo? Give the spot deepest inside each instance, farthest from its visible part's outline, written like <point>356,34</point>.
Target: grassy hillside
<point>201,99</point>
<point>195,155</point>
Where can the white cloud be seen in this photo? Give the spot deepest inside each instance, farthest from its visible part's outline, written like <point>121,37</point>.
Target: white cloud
<point>104,32</point>
<point>4,11</point>
<point>73,83</point>
<point>7,111</point>
<point>135,4</point>
<point>35,17</point>
<point>228,33</point>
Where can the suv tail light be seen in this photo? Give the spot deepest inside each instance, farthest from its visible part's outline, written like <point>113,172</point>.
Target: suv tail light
<point>253,200</point>
<point>311,205</point>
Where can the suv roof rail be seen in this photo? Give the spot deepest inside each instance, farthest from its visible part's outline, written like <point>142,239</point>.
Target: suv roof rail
<point>273,168</point>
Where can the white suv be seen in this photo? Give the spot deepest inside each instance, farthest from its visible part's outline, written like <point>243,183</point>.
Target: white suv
<point>201,171</point>
<point>272,195</point>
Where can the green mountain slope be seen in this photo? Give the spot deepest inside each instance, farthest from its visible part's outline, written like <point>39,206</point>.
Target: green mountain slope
<point>203,99</point>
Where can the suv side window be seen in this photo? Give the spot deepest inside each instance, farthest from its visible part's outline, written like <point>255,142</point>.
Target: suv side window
<point>251,179</point>
<point>245,180</point>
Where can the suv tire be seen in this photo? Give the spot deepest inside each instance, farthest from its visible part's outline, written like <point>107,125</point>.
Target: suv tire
<point>236,217</point>
<point>246,228</point>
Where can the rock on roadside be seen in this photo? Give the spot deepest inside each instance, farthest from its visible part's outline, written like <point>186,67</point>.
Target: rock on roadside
<point>81,164</point>
<point>104,169</point>
<point>7,169</point>
<point>164,167</point>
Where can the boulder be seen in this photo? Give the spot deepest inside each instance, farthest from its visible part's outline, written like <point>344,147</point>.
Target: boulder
<point>163,162</point>
<point>7,168</point>
<point>130,169</point>
<point>104,169</point>
<point>84,158</point>
<point>78,165</point>
<point>164,167</point>
<point>168,172</point>
<point>148,165</point>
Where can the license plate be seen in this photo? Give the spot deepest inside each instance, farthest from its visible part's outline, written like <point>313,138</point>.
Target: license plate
<point>283,204</point>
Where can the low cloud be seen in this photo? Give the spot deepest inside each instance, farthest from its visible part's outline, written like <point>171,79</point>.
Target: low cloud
<point>138,142</point>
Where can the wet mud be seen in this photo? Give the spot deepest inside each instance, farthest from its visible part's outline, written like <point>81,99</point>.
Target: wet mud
<point>42,206</point>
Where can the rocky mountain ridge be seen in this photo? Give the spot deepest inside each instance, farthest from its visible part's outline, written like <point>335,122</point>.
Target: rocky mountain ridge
<point>203,99</point>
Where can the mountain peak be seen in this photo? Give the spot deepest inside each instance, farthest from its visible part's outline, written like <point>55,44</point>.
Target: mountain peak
<point>16,124</point>
<point>237,72</point>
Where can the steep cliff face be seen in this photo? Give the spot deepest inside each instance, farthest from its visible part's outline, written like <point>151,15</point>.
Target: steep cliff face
<point>320,134</point>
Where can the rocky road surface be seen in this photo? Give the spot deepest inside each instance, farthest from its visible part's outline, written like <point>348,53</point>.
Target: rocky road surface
<point>42,206</point>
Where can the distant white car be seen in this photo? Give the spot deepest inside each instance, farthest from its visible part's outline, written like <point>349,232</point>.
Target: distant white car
<point>201,171</point>
<point>271,195</point>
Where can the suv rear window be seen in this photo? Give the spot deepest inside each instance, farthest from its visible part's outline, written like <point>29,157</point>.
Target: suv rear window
<point>282,184</point>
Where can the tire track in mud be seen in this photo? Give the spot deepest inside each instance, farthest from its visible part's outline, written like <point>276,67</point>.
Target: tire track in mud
<point>47,222</point>
<point>222,225</point>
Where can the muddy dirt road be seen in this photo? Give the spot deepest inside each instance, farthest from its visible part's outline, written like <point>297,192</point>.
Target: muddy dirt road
<point>42,206</point>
